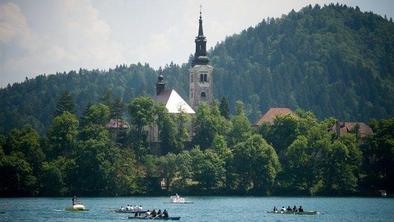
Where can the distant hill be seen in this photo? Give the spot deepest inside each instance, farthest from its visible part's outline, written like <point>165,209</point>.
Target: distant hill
<point>335,61</point>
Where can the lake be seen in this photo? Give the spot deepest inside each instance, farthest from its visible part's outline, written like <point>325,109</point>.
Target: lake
<point>202,209</point>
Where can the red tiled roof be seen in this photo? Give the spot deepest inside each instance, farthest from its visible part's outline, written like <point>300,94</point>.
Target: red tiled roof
<point>270,115</point>
<point>346,127</point>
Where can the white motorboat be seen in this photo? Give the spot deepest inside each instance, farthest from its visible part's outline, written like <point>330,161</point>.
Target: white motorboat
<point>179,200</point>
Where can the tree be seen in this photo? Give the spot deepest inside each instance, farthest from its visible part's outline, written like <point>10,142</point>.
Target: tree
<point>241,129</point>
<point>20,180</point>
<point>167,133</point>
<point>220,147</point>
<point>98,114</point>
<point>117,108</point>
<point>124,173</point>
<point>378,156</point>
<point>256,164</point>
<point>302,174</point>
<point>143,111</point>
<point>224,110</point>
<point>93,164</point>
<point>208,168</point>
<point>341,173</point>
<point>168,168</point>
<point>183,122</point>
<point>65,103</point>
<point>62,135</point>
<point>184,165</point>
<point>207,124</point>
<point>283,133</point>
<point>27,142</point>
<point>204,127</point>
<point>54,177</point>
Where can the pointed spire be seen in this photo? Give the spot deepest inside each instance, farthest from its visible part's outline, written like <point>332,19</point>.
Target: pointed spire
<point>200,32</point>
<point>200,56</point>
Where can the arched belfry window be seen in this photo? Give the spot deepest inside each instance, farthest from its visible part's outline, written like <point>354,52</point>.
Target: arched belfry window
<point>203,95</point>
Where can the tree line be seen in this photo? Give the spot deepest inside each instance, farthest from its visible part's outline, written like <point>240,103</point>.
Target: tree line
<point>297,155</point>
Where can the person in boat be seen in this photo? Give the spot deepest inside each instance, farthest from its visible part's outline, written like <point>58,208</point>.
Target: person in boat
<point>300,209</point>
<point>165,213</point>
<point>147,213</point>
<point>294,208</point>
<point>74,200</point>
<point>275,210</point>
<point>288,209</point>
<point>153,214</point>
<point>139,208</point>
<point>283,209</point>
<point>159,213</point>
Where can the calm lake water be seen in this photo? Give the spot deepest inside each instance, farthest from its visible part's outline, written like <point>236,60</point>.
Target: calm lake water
<point>202,209</point>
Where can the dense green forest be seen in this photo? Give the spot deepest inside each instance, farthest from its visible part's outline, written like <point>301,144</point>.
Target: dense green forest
<point>333,60</point>
<point>297,155</point>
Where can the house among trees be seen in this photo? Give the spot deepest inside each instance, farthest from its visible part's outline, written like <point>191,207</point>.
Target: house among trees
<point>271,114</point>
<point>361,129</point>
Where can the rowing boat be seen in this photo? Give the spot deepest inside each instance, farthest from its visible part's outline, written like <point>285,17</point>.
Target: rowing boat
<point>129,211</point>
<point>292,212</point>
<point>156,218</point>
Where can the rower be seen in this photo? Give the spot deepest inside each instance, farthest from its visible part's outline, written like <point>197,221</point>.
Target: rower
<point>295,208</point>
<point>275,210</point>
<point>153,214</point>
<point>165,213</point>
<point>288,208</point>
<point>300,209</point>
<point>147,213</point>
<point>283,208</point>
<point>159,214</point>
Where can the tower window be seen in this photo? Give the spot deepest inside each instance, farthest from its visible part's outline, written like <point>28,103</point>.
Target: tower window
<point>205,78</point>
<point>201,78</point>
<point>203,95</point>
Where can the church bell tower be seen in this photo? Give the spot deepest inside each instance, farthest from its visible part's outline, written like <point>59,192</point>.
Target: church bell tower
<point>201,81</point>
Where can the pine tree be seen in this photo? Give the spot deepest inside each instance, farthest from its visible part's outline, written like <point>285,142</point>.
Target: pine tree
<point>65,104</point>
<point>224,110</point>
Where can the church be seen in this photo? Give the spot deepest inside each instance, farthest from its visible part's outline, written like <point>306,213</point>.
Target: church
<point>200,86</point>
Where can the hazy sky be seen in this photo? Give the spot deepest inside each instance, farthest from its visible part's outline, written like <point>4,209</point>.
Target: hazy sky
<point>48,36</point>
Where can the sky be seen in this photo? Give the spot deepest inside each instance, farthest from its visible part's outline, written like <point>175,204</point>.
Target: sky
<point>49,36</point>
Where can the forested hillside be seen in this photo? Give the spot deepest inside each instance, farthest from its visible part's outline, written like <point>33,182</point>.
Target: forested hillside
<point>335,61</point>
